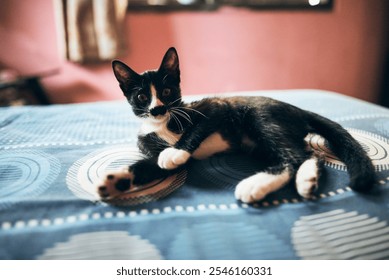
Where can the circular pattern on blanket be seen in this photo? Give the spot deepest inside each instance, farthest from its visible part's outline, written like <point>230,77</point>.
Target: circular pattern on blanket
<point>376,147</point>
<point>227,240</point>
<point>86,175</point>
<point>25,174</point>
<point>224,170</point>
<point>104,245</point>
<point>338,234</point>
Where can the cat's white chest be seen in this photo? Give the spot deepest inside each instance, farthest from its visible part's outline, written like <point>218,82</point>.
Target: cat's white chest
<point>159,128</point>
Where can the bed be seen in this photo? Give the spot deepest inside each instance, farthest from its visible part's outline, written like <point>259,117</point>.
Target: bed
<point>51,158</point>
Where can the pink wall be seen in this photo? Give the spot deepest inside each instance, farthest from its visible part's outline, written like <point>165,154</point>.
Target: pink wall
<point>228,50</point>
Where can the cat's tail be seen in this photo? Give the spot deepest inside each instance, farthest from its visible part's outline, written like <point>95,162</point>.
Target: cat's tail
<point>347,149</point>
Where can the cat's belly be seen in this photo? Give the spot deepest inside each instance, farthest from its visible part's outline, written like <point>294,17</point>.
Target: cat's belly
<point>213,144</point>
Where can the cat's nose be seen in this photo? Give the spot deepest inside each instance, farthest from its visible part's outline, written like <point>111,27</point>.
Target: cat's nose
<point>158,110</point>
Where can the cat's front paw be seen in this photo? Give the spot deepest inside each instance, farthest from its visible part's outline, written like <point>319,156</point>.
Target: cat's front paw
<point>115,184</point>
<point>172,158</point>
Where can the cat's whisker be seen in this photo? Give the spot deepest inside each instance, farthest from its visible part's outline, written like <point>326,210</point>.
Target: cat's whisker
<point>141,110</point>
<point>198,112</point>
<point>183,115</point>
<point>171,103</point>
<point>145,112</point>
<point>178,122</point>
<point>164,78</point>
<point>194,110</point>
<point>183,112</point>
<point>136,89</point>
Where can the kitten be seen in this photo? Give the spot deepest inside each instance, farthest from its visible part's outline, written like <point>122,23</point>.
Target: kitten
<point>172,132</point>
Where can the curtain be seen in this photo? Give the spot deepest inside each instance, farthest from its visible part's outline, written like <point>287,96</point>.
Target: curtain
<point>91,31</point>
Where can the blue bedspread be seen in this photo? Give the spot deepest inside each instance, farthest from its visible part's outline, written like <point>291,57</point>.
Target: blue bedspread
<point>51,158</point>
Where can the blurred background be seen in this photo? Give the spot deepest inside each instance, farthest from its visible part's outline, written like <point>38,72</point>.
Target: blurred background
<point>62,49</point>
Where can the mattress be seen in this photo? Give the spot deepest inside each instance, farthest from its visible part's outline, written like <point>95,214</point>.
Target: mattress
<point>52,158</point>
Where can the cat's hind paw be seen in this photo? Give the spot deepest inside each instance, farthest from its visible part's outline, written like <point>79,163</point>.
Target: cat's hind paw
<point>249,190</point>
<point>307,178</point>
<point>257,186</point>
<point>172,158</point>
<point>115,184</point>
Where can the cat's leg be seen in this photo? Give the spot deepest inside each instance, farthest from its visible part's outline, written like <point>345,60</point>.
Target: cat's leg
<point>257,186</point>
<point>190,141</point>
<point>305,165</point>
<point>171,158</point>
<point>140,173</point>
<point>307,176</point>
<point>284,157</point>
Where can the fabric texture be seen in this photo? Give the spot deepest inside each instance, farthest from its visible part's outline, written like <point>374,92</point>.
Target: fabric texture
<point>51,159</point>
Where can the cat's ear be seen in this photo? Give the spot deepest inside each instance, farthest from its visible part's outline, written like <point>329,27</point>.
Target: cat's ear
<point>123,73</point>
<point>170,64</point>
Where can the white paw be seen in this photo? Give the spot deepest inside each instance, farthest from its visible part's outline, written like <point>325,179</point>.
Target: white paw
<point>249,190</point>
<point>307,188</point>
<point>307,178</point>
<point>171,158</point>
<point>256,187</point>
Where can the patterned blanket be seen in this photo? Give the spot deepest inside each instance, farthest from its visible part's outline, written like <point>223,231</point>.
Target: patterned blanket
<point>51,158</point>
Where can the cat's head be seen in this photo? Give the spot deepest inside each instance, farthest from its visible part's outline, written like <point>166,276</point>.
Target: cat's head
<point>152,93</point>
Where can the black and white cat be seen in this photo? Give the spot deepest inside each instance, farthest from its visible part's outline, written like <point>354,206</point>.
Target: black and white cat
<point>172,132</point>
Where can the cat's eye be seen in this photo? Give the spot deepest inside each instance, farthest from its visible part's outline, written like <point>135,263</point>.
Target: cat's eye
<point>166,92</point>
<point>142,97</point>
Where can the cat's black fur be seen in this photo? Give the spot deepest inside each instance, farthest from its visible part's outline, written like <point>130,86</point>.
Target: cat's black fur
<point>269,130</point>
